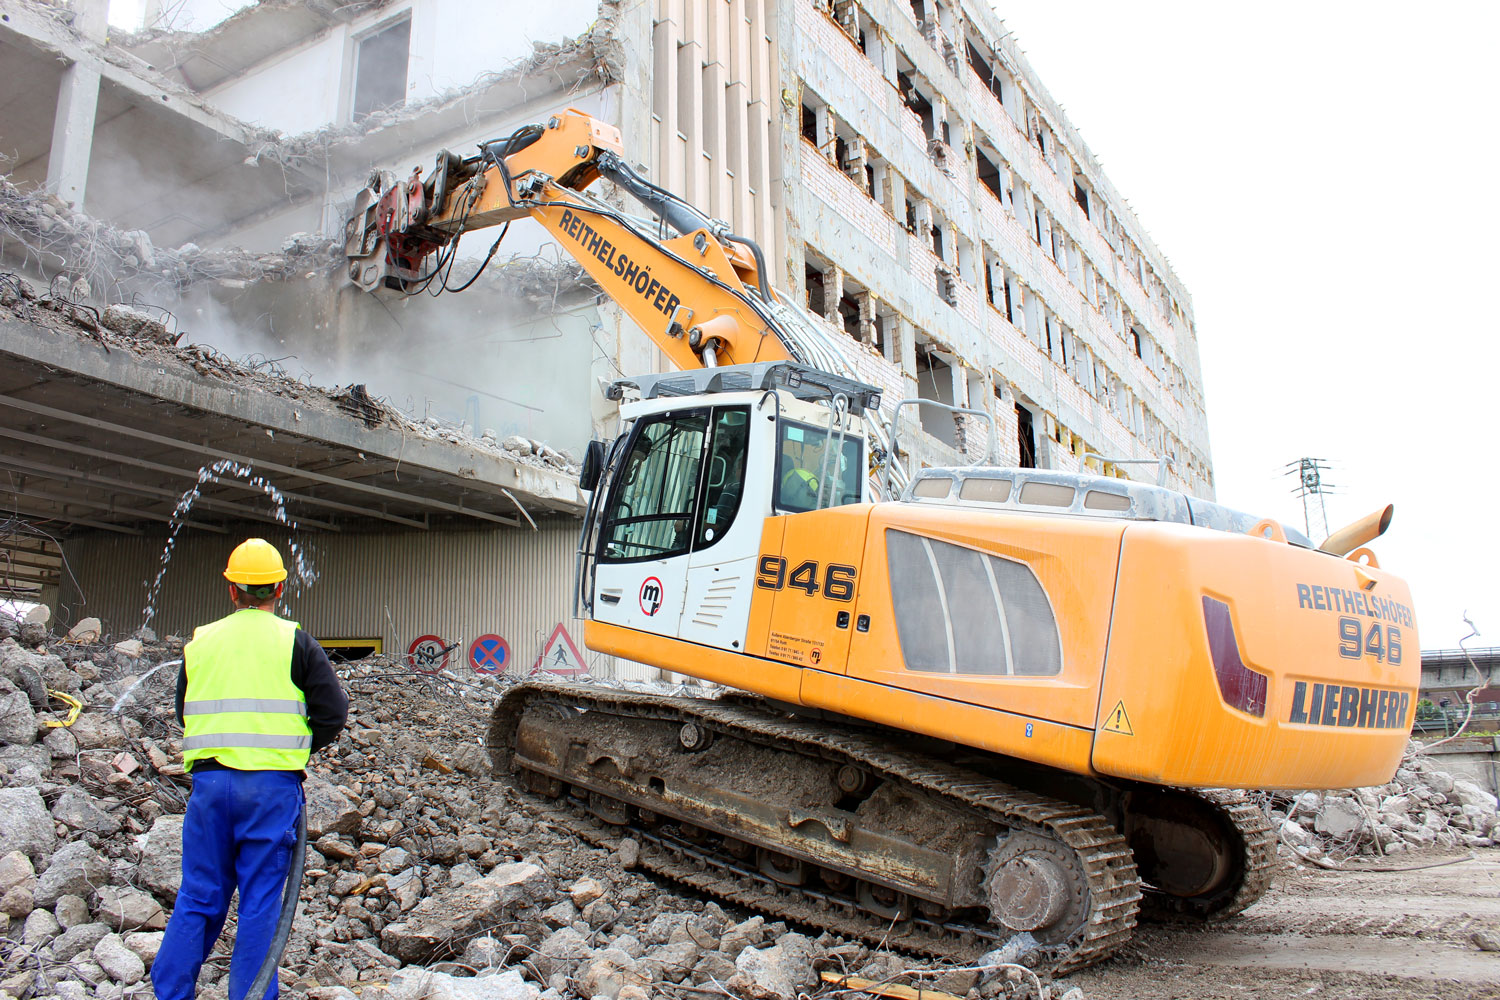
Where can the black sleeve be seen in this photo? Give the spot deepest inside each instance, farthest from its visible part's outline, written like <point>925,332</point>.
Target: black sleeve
<point>181,688</point>
<point>327,706</point>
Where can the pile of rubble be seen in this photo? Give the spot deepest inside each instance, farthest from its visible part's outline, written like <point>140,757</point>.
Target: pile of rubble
<point>99,259</point>
<point>427,879</point>
<point>1422,807</point>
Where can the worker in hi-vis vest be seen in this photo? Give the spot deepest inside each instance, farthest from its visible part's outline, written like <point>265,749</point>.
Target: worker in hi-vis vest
<point>256,697</point>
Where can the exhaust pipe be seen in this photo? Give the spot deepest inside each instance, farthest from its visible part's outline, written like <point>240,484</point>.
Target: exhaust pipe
<point>1366,529</point>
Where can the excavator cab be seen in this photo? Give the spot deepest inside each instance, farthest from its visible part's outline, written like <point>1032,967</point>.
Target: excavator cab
<point>678,508</point>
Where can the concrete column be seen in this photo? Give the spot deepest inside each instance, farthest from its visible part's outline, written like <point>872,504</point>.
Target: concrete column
<point>887,61</point>
<point>824,130</point>
<point>833,292</point>
<point>894,196</point>
<point>77,103</point>
<point>906,338</point>
<point>858,157</point>
<point>73,133</point>
<point>867,304</point>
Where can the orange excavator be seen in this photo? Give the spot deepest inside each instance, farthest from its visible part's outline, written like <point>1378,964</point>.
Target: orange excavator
<point>968,707</point>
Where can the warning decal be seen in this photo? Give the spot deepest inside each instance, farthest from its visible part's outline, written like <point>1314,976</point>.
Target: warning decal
<point>1118,721</point>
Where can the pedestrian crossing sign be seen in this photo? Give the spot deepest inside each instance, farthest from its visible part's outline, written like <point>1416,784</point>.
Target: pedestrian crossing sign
<point>560,656</point>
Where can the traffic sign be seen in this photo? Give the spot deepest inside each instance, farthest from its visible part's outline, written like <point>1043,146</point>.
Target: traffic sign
<point>489,654</point>
<point>428,654</point>
<point>560,656</point>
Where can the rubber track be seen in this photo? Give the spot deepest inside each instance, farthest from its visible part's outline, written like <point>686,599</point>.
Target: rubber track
<point>1107,862</point>
<point>1259,860</point>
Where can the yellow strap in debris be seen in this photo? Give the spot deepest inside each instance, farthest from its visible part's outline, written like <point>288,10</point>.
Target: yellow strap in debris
<point>884,989</point>
<point>72,713</point>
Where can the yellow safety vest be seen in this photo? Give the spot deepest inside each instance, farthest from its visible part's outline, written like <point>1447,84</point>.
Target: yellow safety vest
<point>241,706</point>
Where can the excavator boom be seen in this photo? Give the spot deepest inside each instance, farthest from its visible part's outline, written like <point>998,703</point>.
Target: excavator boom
<point>702,295</point>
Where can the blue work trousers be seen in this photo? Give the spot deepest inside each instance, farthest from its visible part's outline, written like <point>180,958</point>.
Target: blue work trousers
<point>240,829</point>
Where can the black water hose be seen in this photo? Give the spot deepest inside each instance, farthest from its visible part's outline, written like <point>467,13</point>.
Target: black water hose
<point>289,898</point>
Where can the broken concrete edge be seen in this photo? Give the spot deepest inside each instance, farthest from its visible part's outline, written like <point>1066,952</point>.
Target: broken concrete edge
<point>287,406</point>
<point>592,59</point>
<point>334,12</point>
<point>43,227</point>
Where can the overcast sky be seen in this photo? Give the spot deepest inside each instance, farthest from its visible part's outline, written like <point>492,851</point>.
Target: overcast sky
<point>1320,175</point>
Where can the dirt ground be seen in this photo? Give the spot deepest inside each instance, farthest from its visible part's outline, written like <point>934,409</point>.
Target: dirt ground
<point>1326,934</point>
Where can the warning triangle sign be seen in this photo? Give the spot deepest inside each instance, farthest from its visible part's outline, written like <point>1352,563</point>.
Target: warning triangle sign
<point>560,656</point>
<point>1118,721</point>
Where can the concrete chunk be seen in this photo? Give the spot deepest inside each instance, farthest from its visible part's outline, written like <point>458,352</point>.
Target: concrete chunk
<point>25,824</point>
<point>329,809</point>
<point>447,921</point>
<point>76,870</point>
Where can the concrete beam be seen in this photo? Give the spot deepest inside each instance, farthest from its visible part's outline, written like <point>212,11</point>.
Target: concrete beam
<point>109,508</point>
<point>192,476</point>
<point>8,575</point>
<point>47,515</point>
<point>180,384</point>
<point>78,476</point>
<point>249,460</point>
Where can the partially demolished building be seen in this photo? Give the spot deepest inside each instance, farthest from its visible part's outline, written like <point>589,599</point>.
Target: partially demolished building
<point>909,177</point>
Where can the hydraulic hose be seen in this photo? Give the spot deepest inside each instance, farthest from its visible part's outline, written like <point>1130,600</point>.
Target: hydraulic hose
<point>289,898</point>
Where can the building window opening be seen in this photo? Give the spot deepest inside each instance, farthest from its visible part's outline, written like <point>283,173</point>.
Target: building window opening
<point>1010,308</point>
<point>989,283</point>
<point>810,124</point>
<point>937,240</point>
<point>1135,342</point>
<point>1025,438</point>
<point>349,650</point>
<point>849,314</point>
<point>919,105</point>
<point>380,69</point>
<point>911,216</point>
<point>814,283</point>
<point>870,180</point>
<point>1037,218</point>
<point>982,70</point>
<point>935,381</point>
<point>989,175</point>
<point>1081,195</point>
<point>840,151</point>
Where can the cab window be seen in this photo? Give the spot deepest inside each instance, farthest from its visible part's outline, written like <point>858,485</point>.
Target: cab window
<point>724,476</point>
<point>812,472</point>
<point>651,509</point>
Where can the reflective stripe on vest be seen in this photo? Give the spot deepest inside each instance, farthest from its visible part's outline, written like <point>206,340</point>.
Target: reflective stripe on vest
<point>247,740</point>
<point>271,706</point>
<point>241,706</point>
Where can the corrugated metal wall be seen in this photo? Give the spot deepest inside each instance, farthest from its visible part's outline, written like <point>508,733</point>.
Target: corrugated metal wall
<point>515,583</point>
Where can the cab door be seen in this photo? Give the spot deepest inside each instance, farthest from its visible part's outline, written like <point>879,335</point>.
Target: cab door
<point>648,523</point>
<point>735,498</point>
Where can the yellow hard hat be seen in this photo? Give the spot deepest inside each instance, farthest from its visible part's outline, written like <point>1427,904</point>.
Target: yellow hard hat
<point>253,562</point>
